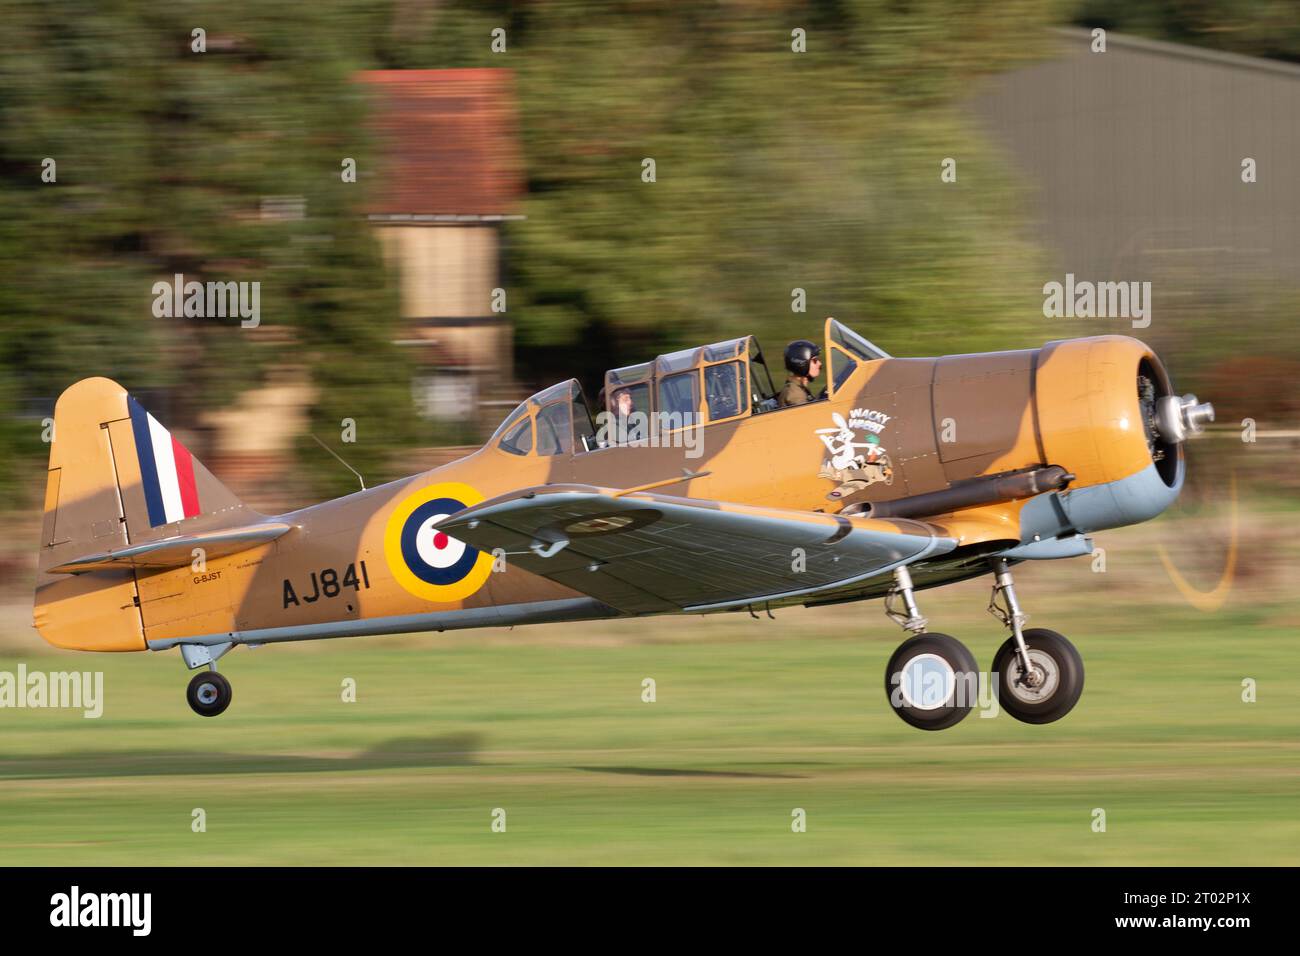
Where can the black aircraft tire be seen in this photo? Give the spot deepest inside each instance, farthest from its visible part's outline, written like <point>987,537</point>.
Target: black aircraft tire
<point>1061,667</point>
<point>961,684</point>
<point>208,694</point>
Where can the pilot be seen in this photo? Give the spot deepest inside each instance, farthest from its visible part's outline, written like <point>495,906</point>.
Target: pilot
<point>804,363</point>
<point>623,429</point>
<point>623,405</point>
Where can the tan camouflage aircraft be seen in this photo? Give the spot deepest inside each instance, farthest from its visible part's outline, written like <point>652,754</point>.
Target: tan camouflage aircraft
<point>695,494</point>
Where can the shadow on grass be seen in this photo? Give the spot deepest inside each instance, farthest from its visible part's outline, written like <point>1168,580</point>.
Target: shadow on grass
<point>452,750</point>
<point>670,772</point>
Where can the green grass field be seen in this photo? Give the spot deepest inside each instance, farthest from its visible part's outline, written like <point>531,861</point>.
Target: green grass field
<point>752,720</point>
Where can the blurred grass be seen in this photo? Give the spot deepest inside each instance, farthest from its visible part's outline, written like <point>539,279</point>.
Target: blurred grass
<point>753,719</point>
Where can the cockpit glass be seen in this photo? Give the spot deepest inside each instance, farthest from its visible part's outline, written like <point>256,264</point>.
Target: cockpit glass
<point>763,391</point>
<point>850,341</point>
<point>639,395</point>
<point>676,361</point>
<point>841,368</point>
<point>724,350</point>
<point>679,397</point>
<point>553,435</point>
<point>509,422</point>
<point>548,395</point>
<point>560,421</point>
<point>732,375</point>
<point>630,373</point>
<point>724,387</point>
<point>519,440</point>
<point>584,430</point>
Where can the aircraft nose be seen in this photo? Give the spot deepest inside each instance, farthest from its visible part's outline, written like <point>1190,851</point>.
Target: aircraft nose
<point>1178,419</point>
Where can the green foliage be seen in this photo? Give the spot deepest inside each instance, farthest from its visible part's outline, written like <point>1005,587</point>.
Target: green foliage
<point>775,170</point>
<point>1266,28</point>
<point>165,158</point>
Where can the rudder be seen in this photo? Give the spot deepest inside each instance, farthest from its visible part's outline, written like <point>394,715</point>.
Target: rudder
<point>116,478</point>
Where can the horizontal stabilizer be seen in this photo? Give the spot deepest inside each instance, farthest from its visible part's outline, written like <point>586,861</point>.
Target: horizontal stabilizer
<point>178,551</point>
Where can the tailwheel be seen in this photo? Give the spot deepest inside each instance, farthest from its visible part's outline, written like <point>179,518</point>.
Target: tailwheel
<point>208,694</point>
<point>932,681</point>
<point>1047,691</point>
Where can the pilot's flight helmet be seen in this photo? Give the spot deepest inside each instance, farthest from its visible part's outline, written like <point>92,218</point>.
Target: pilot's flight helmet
<point>798,354</point>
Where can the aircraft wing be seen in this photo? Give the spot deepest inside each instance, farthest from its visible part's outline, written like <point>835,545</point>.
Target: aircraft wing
<point>177,551</point>
<point>645,553</point>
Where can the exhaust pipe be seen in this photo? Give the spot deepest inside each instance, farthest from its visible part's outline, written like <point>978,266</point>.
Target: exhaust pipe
<point>968,494</point>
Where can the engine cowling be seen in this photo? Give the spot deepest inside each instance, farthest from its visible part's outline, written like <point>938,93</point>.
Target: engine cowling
<point>1108,412</point>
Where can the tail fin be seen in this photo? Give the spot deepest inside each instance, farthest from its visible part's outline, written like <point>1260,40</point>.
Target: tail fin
<point>174,484</point>
<point>117,478</point>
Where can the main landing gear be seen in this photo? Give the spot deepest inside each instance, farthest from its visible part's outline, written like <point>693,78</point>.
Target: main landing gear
<point>209,692</point>
<point>932,680</point>
<point>1039,673</point>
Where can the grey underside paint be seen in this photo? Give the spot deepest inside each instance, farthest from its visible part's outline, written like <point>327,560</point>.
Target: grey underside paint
<point>1053,525</point>
<point>1132,500</point>
<point>1049,549</point>
<point>657,554</point>
<point>538,612</point>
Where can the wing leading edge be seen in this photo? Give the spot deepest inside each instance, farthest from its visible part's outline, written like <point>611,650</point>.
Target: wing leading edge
<point>645,553</point>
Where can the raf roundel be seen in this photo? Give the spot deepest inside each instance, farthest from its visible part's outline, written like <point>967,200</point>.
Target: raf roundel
<point>426,561</point>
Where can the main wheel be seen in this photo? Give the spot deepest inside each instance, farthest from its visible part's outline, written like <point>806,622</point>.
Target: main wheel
<point>1055,685</point>
<point>208,694</point>
<point>932,681</point>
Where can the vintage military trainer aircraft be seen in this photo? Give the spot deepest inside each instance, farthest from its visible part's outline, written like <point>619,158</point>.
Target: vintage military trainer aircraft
<point>907,473</point>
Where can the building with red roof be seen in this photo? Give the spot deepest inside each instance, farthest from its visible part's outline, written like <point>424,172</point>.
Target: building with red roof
<point>450,171</point>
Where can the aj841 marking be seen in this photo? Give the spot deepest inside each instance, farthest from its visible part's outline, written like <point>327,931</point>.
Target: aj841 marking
<point>328,583</point>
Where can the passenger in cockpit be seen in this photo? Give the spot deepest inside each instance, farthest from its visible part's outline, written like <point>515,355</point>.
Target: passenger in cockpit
<point>622,403</point>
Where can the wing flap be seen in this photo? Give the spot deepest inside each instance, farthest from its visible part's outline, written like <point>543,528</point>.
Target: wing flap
<point>177,551</point>
<point>647,553</point>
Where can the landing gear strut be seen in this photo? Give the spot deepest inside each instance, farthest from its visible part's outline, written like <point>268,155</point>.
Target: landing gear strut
<point>1039,673</point>
<point>1008,612</point>
<point>209,692</point>
<point>932,680</point>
